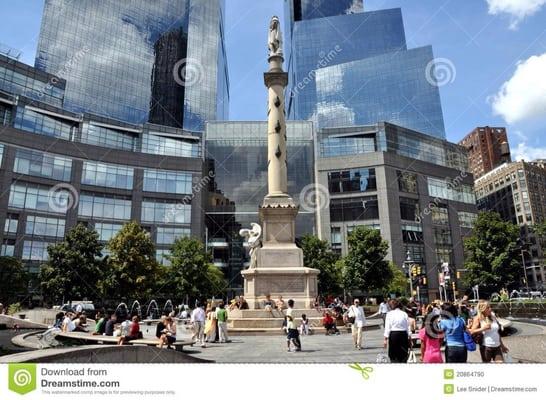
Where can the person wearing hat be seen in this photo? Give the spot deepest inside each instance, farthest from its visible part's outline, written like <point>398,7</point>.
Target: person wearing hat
<point>357,320</point>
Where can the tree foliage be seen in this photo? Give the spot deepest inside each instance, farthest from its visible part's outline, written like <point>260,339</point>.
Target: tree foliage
<point>399,283</point>
<point>73,267</point>
<point>133,271</point>
<point>13,279</point>
<point>492,255</point>
<point>318,254</point>
<point>365,267</point>
<point>191,272</point>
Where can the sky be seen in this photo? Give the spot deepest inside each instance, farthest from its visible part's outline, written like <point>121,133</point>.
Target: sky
<point>492,51</point>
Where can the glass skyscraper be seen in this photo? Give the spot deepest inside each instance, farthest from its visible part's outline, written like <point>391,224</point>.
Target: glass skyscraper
<point>139,61</point>
<point>349,67</point>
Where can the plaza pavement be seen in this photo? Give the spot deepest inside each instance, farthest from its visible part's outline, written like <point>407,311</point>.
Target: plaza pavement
<point>528,343</point>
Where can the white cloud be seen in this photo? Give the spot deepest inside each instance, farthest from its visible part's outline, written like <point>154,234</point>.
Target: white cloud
<point>524,152</point>
<point>523,96</point>
<point>517,9</point>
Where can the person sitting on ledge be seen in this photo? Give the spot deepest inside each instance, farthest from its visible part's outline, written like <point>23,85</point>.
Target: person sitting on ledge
<point>160,327</point>
<point>110,325</point>
<point>329,324</point>
<point>243,305</point>
<point>281,305</point>
<point>68,324</point>
<point>133,334</point>
<point>168,336</point>
<point>268,303</point>
<point>80,322</point>
<point>234,304</point>
<point>100,324</point>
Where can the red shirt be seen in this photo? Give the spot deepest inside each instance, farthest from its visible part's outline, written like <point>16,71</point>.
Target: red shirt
<point>134,329</point>
<point>327,319</point>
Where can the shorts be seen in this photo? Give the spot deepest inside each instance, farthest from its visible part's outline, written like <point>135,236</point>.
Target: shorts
<point>492,354</point>
<point>171,339</point>
<point>292,334</point>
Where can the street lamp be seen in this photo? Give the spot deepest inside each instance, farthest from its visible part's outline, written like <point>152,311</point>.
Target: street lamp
<point>522,245</point>
<point>407,270</point>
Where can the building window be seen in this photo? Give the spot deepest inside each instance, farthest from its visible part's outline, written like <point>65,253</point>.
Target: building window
<point>444,254</point>
<point>8,247</point>
<point>1,149</point>
<point>354,209</point>
<point>41,124</point>
<point>5,113</point>
<point>108,175</point>
<point>12,221</point>
<point>335,238</point>
<point>42,226</point>
<point>40,198</point>
<point>344,146</point>
<point>162,181</point>
<point>412,233</point>
<point>442,236</point>
<point>354,180</point>
<point>416,252</point>
<point>409,209</point>
<point>34,250</point>
<point>166,212</point>
<point>467,219</point>
<point>167,235</point>
<point>96,205</point>
<point>36,163</point>
<point>100,136</point>
<point>161,257</point>
<point>443,189</point>
<point>407,182</point>
<point>107,231</point>
<point>167,146</point>
<point>440,215</point>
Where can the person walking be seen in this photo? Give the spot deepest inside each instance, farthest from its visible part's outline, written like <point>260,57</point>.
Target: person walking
<point>197,319</point>
<point>383,310</point>
<point>454,328</point>
<point>431,338</point>
<point>357,320</point>
<point>488,327</point>
<point>397,333</point>
<point>210,325</point>
<point>222,317</point>
<point>293,335</point>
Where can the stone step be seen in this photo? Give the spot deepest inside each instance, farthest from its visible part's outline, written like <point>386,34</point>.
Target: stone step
<point>273,313</point>
<point>267,322</point>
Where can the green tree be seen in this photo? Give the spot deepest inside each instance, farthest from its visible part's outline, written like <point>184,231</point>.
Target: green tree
<point>399,283</point>
<point>13,279</point>
<point>318,254</point>
<point>133,270</point>
<point>365,267</point>
<point>191,272</point>
<point>492,256</point>
<point>73,266</point>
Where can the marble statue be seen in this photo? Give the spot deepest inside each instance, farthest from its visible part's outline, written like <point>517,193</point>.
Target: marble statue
<point>253,237</point>
<point>275,37</point>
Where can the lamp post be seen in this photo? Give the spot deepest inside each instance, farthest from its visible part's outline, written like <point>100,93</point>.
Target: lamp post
<point>407,269</point>
<point>524,268</point>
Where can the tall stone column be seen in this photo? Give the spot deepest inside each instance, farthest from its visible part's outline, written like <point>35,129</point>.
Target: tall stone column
<point>279,266</point>
<point>275,81</point>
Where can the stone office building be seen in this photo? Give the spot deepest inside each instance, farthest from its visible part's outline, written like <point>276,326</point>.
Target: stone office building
<point>414,188</point>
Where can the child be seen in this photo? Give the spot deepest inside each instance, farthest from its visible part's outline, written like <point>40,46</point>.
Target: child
<point>304,327</point>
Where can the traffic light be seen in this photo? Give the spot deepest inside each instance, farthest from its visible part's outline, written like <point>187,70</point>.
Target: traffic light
<point>458,274</point>
<point>424,280</point>
<point>453,285</point>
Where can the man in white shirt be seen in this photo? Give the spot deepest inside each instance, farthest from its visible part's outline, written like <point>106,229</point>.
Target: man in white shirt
<point>293,334</point>
<point>383,310</point>
<point>198,321</point>
<point>68,324</point>
<point>358,320</point>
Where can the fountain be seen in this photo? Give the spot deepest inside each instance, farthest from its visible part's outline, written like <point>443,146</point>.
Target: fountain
<point>156,314</point>
<point>137,304</point>
<point>166,308</point>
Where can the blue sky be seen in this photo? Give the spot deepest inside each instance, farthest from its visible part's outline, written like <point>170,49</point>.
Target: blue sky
<point>496,51</point>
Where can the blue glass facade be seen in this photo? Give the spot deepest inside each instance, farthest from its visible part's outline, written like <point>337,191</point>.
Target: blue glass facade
<point>392,87</point>
<point>139,61</point>
<point>329,50</point>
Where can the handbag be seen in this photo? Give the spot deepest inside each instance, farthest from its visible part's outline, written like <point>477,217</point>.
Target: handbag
<point>469,341</point>
<point>412,358</point>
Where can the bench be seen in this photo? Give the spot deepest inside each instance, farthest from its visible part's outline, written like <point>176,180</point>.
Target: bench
<point>101,339</point>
